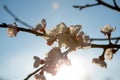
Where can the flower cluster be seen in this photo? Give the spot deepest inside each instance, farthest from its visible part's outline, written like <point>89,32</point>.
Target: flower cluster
<point>70,37</point>
<point>52,62</point>
<point>12,30</point>
<point>108,53</point>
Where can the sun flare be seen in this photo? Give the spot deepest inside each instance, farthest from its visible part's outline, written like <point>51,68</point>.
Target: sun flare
<point>77,71</point>
<point>55,5</point>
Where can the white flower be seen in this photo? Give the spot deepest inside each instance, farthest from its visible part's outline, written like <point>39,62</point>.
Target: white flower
<point>109,53</point>
<point>75,29</point>
<point>63,40</point>
<point>107,29</point>
<point>68,37</point>
<point>99,62</point>
<point>12,30</point>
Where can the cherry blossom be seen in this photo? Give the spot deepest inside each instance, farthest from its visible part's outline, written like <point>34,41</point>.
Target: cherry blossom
<point>109,53</point>
<point>107,29</point>
<point>99,62</point>
<point>12,30</point>
<point>37,62</point>
<point>75,29</point>
<point>69,37</point>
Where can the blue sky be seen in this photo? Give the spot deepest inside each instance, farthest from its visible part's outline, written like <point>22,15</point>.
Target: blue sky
<point>16,54</point>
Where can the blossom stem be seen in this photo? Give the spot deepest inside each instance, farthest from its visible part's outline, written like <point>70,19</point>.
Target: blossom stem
<point>109,38</point>
<point>102,56</point>
<point>33,73</point>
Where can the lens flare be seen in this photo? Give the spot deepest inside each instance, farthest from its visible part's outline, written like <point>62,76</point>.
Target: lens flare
<point>55,5</point>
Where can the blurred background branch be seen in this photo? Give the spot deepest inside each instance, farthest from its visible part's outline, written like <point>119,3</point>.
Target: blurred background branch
<point>15,17</point>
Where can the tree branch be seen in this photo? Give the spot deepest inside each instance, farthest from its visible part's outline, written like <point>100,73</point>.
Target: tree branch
<point>99,2</point>
<point>108,5</point>
<point>105,46</point>
<point>103,39</point>
<point>4,25</point>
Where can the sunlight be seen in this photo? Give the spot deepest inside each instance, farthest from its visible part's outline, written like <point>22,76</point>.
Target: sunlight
<point>77,71</point>
<point>55,5</point>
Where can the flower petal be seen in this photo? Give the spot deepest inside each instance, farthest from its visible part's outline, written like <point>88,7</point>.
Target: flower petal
<point>107,29</point>
<point>36,62</point>
<point>109,53</point>
<point>12,30</point>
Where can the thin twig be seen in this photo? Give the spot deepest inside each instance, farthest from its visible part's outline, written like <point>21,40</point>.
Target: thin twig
<point>103,39</point>
<point>31,74</point>
<point>115,3</point>
<point>4,25</point>
<point>99,2</point>
<point>117,41</point>
<point>86,6</point>
<point>15,17</point>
